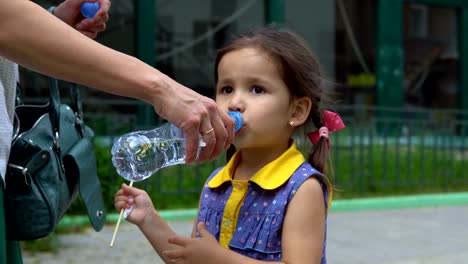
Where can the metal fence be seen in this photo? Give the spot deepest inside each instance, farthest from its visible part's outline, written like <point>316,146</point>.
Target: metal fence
<point>382,150</point>
<point>396,150</point>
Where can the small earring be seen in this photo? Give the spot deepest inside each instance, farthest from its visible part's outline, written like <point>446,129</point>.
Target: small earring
<point>291,123</point>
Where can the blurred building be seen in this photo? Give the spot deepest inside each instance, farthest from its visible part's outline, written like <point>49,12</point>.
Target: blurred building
<point>377,52</point>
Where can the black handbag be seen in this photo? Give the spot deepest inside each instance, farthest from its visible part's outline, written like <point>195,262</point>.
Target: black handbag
<point>52,160</point>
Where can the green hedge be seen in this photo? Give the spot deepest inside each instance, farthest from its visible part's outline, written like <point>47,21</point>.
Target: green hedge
<point>171,188</point>
<point>358,172</point>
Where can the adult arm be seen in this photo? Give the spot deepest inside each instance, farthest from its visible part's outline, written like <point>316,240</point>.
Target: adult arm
<point>32,37</point>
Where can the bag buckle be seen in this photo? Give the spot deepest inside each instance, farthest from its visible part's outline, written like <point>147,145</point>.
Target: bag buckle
<point>78,120</point>
<point>23,170</point>
<point>57,141</point>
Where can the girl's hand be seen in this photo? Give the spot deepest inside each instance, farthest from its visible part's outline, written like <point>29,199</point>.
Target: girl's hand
<point>194,250</point>
<point>143,207</point>
<point>69,12</point>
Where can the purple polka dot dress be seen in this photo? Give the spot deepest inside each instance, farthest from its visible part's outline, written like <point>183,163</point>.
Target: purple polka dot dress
<point>254,227</point>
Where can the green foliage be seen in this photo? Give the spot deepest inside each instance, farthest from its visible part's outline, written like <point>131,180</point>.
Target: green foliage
<point>46,244</point>
<point>174,187</point>
<point>179,186</point>
<point>380,170</point>
<point>359,171</point>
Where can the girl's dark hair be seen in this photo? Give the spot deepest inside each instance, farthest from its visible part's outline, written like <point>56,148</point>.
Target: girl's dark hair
<point>299,70</point>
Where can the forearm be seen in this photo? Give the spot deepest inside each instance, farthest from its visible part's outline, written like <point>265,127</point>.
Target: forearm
<point>37,40</point>
<point>157,231</point>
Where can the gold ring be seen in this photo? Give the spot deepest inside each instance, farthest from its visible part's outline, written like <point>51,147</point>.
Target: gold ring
<point>208,131</point>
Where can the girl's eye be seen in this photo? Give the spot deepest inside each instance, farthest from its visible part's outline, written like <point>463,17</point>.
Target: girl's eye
<point>226,90</point>
<point>258,89</point>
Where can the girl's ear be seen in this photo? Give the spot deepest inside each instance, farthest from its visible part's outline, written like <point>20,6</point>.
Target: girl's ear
<point>300,110</point>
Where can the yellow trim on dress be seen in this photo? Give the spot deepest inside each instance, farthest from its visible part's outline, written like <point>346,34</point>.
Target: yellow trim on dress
<point>270,177</point>
<point>231,211</point>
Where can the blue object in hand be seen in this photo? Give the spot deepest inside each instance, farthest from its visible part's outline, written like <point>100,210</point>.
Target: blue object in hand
<point>89,9</point>
<point>238,120</point>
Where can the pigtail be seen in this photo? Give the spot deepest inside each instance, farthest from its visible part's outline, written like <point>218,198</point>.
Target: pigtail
<point>318,155</point>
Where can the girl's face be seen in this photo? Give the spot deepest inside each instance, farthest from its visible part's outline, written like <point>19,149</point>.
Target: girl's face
<point>249,82</point>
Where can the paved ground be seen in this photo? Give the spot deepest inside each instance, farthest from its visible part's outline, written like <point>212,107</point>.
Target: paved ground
<point>437,235</point>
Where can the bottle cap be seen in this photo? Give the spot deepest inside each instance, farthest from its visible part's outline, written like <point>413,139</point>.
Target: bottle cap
<point>89,9</point>
<point>238,120</point>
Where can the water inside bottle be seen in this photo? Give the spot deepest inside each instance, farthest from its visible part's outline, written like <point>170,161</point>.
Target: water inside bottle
<point>136,157</point>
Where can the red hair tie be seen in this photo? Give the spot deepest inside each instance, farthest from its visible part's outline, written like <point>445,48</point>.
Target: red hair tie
<point>331,122</point>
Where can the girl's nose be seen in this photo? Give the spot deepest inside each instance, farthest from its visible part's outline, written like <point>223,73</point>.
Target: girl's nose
<point>236,103</point>
<point>235,108</point>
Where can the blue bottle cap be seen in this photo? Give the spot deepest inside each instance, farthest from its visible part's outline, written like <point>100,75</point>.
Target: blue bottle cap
<point>238,120</point>
<point>89,9</point>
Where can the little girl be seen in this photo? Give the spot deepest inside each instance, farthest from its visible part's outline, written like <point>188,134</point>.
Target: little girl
<point>267,203</point>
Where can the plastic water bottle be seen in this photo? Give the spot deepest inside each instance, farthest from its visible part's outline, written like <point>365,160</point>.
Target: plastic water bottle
<point>89,9</point>
<point>139,154</point>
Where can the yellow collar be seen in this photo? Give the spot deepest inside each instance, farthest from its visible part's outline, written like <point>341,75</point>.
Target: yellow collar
<point>271,176</point>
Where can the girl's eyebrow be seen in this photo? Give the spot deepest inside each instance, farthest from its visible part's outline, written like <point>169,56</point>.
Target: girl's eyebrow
<point>224,81</point>
<point>249,80</point>
<point>256,80</point>
<point>259,81</point>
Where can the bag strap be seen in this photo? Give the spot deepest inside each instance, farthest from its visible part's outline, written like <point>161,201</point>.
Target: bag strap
<point>54,111</point>
<point>76,104</point>
<point>18,102</point>
<point>77,107</point>
<point>19,94</point>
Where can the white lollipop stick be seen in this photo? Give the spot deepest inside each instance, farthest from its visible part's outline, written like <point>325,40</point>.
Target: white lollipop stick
<point>118,222</point>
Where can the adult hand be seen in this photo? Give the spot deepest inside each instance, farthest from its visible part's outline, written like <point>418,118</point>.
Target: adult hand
<point>70,13</point>
<point>197,116</point>
<point>129,196</point>
<point>194,250</point>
